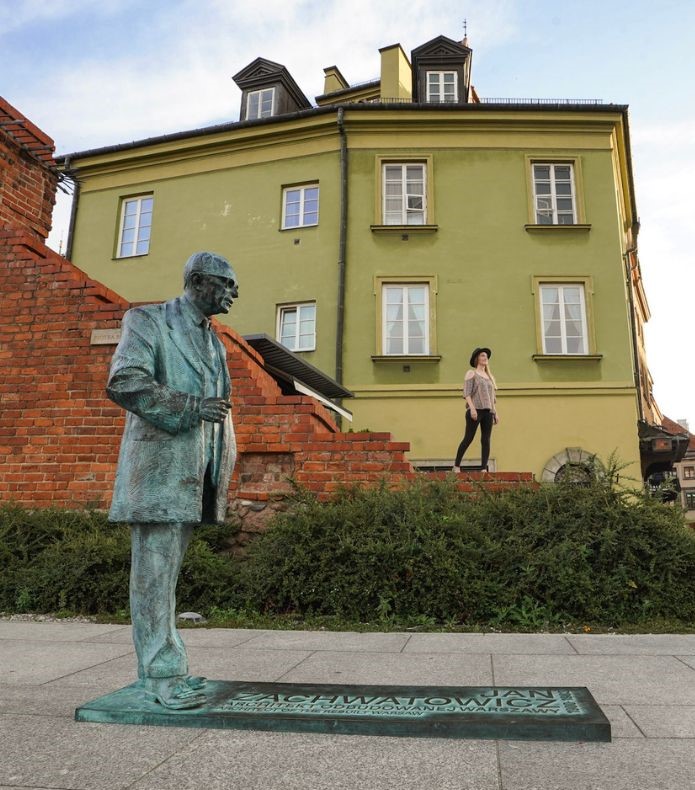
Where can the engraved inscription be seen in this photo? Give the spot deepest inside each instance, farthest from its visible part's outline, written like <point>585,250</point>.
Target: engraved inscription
<point>105,337</point>
<point>508,701</point>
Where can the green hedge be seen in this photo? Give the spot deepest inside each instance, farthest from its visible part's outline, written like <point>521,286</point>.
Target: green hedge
<point>55,560</point>
<point>526,558</point>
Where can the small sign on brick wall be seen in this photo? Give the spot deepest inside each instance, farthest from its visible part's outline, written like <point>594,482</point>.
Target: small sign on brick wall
<point>105,337</point>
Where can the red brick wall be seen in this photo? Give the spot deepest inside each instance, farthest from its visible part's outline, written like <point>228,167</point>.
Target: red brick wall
<point>58,433</point>
<point>27,176</point>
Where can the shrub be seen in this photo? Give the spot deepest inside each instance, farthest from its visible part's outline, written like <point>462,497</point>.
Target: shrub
<point>76,560</point>
<point>527,558</point>
<point>524,557</point>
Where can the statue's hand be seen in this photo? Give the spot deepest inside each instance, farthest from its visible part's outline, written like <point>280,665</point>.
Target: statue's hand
<point>214,409</point>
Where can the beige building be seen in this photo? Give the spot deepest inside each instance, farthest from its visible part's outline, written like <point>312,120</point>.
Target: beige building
<point>685,468</point>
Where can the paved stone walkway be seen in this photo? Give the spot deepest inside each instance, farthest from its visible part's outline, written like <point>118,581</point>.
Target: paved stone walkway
<point>644,684</point>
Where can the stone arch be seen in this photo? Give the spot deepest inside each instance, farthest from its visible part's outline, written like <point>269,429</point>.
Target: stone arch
<point>574,462</point>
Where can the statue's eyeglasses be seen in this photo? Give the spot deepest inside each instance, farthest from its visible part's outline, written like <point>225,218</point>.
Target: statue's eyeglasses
<point>228,282</point>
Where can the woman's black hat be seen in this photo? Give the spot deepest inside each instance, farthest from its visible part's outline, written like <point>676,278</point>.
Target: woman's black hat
<point>474,355</point>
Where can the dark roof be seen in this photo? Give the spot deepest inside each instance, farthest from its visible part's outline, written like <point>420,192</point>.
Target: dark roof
<point>279,359</point>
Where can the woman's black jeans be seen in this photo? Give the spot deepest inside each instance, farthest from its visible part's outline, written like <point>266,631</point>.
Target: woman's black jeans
<point>485,420</point>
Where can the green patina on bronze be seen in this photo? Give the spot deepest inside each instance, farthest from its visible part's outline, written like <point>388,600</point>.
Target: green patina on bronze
<point>493,712</point>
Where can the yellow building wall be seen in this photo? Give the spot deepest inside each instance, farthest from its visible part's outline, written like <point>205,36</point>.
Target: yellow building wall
<point>225,194</point>
<point>533,427</point>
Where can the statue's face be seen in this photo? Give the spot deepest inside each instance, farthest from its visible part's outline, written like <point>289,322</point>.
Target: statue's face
<point>215,294</point>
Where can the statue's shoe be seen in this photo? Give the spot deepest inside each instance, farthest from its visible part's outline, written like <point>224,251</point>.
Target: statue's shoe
<point>177,695</point>
<point>196,682</point>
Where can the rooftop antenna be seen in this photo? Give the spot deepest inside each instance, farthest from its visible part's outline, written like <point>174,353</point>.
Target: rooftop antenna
<point>465,33</point>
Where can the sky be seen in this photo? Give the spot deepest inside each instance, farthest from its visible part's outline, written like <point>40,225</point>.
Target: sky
<point>92,73</point>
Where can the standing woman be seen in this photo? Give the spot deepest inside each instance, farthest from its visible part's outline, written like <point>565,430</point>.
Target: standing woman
<point>479,391</point>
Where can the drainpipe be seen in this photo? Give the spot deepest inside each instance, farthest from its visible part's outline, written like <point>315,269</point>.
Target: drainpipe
<point>633,327</point>
<point>73,210</point>
<point>342,243</point>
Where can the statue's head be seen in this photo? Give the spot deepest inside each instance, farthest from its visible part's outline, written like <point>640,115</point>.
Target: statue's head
<point>210,282</point>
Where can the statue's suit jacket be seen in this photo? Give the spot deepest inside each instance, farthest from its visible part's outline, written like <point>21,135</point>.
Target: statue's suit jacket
<point>157,375</point>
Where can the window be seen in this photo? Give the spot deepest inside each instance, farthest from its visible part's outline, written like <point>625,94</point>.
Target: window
<point>404,191</point>
<point>405,316</point>
<point>300,206</point>
<point>442,86</point>
<point>136,224</point>
<point>260,104</point>
<point>554,193</point>
<point>690,500</point>
<point>297,326</point>
<point>563,318</point>
<point>689,472</point>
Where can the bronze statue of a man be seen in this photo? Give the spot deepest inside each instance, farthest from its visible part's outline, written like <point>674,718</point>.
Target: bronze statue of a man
<point>177,453</point>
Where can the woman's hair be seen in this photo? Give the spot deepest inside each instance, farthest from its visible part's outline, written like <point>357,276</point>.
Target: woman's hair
<point>487,370</point>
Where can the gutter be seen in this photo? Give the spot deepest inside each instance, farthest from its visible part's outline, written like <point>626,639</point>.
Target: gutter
<point>331,108</point>
<point>73,209</point>
<point>633,329</point>
<point>342,245</point>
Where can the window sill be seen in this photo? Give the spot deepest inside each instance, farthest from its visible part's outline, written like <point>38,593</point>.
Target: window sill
<point>129,257</point>
<point>404,230</point>
<point>406,358</point>
<point>567,357</point>
<point>581,226</point>
<point>297,227</point>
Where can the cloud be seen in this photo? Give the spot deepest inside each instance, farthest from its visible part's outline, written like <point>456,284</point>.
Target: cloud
<point>21,14</point>
<point>674,133</point>
<point>183,79</point>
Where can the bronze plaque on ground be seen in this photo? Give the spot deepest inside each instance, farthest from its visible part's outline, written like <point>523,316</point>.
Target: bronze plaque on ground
<point>490,712</point>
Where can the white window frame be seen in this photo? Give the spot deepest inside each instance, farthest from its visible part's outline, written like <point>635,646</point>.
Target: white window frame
<point>303,223</point>
<point>406,215</point>
<point>298,309</point>
<point>552,196</point>
<point>260,113</point>
<point>404,288</point>
<point>440,86</point>
<point>563,317</point>
<point>141,223</point>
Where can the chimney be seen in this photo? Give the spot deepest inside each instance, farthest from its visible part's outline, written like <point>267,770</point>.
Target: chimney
<point>396,74</point>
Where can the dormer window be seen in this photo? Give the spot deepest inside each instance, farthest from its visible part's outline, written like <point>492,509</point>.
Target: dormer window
<point>442,86</point>
<point>268,90</point>
<point>441,72</point>
<point>260,104</point>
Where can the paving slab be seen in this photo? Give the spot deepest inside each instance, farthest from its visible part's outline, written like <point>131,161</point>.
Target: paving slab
<point>517,644</point>
<point>613,680</point>
<point>633,644</point>
<point>56,753</point>
<point>208,637</point>
<point>31,661</point>
<point>389,669</point>
<point>625,764</point>
<point>330,640</point>
<point>664,721</point>
<point>688,660</point>
<point>56,631</point>
<point>288,761</point>
<point>48,700</point>
<point>213,662</point>
<point>622,726</point>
